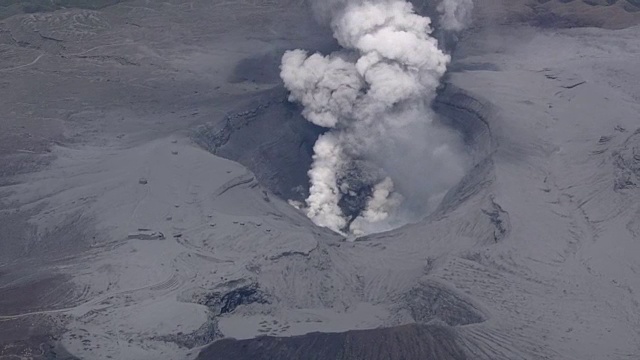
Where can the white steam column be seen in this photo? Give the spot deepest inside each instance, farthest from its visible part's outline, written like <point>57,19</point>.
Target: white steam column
<point>374,98</point>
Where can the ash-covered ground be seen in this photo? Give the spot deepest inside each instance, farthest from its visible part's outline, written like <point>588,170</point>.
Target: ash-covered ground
<point>148,151</point>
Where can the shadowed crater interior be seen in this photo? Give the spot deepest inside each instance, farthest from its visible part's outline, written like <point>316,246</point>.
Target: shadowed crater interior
<point>271,138</point>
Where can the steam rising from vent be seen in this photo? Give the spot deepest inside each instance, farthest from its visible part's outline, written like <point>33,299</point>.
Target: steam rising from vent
<point>383,158</point>
<point>455,15</point>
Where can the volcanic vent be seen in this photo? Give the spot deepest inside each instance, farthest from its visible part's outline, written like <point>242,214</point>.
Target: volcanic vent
<point>353,141</point>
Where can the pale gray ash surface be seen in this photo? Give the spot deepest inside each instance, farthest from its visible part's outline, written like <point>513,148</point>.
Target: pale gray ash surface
<point>149,153</point>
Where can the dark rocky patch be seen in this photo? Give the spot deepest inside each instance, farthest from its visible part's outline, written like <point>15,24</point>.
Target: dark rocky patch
<point>226,301</point>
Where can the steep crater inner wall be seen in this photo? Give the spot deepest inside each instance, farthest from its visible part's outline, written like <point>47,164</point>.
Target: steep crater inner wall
<point>270,138</point>
<point>275,142</point>
<point>470,115</point>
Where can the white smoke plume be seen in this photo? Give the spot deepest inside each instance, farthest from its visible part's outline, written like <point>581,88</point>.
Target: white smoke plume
<point>381,205</point>
<point>324,193</point>
<point>374,96</point>
<point>327,87</point>
<point>455,15</point>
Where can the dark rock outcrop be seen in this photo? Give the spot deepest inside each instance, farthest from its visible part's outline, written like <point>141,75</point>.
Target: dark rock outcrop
<point>227,299</point>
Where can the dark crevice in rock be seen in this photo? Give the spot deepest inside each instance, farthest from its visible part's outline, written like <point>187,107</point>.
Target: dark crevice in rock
<point>226,301</point>
<point>500,220</point>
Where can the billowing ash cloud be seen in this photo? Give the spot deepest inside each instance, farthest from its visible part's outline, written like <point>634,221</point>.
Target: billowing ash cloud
<point>373,96</point>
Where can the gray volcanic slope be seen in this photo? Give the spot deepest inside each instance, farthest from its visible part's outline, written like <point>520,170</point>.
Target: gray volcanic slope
<point>402,342</point>
<point>147,151</point>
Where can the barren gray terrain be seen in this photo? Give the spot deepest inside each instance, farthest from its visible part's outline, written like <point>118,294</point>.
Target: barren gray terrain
<point>148,151</point>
